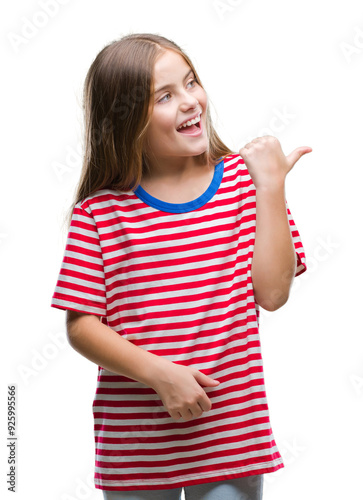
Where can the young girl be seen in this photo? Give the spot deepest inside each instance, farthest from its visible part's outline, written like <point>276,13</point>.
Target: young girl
<point>174,243</point>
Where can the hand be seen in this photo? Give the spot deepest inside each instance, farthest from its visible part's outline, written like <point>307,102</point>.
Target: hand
<point>266,162</point>
<point>181,390</point>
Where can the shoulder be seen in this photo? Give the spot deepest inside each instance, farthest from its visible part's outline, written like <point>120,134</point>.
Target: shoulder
<point>236,174</point>
<point>234,165</point>
<point>234,161</point>
<point>104,199</point>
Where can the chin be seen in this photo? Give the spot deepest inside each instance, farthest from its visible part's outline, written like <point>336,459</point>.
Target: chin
<point>204,148</point>
<point>203,151</point>
<point>198,155</point>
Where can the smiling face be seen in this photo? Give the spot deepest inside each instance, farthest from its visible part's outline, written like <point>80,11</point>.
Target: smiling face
<point>177,99</point>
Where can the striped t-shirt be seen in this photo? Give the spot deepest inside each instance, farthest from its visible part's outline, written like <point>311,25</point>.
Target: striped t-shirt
<point>175,279</point>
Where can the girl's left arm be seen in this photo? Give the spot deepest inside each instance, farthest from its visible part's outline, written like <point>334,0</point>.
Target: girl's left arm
<point>274,256</point>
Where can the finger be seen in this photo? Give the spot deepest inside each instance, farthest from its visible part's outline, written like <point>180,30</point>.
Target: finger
<point>199,411</point>
<point>205,403</point>
<point>204,380</point>
<point>264,138</point>
<point>187,415</point>
<point>293,157</point>
<point>175,415</point>
<point>243,152</point>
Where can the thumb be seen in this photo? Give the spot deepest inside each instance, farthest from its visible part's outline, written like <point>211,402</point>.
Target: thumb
<point>293,157</point>
<point>205,381</point>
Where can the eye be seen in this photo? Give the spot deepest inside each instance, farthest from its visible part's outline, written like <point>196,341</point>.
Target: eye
<point>165,98</point>
<point>192,83</point>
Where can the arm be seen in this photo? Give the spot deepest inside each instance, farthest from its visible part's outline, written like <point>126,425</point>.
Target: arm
<point>274,257</point>
<point>102,345</point>
<point>179,387</point>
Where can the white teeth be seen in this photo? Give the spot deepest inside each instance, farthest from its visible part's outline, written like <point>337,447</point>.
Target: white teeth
<point>190,122</point>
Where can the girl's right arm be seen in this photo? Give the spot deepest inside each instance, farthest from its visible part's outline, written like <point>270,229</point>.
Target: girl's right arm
<point>179,387</point>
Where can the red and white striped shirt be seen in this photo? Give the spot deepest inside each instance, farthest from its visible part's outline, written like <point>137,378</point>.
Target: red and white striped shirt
<point>175,279</point>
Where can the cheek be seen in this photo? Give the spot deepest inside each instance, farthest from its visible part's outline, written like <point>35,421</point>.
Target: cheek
<point>160,125</point>
<point>202,97</point>
<point>155,135</point>
<point>166,122</point>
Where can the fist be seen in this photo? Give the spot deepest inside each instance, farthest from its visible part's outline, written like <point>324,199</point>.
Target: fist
<point>266,162</point>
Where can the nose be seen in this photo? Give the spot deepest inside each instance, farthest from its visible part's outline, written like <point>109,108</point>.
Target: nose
<point>188,102</point>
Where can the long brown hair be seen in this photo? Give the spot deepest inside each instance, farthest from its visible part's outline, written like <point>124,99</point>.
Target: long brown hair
<point>117,106</point>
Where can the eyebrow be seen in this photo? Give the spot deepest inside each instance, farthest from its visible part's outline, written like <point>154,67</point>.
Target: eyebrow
<point>171,85</point>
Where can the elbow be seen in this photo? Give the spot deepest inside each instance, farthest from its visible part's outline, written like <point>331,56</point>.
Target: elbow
<point>272,306</point>
<point>272,301</point>
<point>77,326</point>
<point>71,329</point>
<point>74,327</point>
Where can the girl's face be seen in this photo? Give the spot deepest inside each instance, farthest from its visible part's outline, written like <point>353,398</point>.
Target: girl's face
<point>178,98</point>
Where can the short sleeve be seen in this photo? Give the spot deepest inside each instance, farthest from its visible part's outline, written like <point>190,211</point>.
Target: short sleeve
<point>81,282</point>
<point>299,249</point>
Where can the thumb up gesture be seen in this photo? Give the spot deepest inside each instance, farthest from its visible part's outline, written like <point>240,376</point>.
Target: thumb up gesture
<point>266,162</point>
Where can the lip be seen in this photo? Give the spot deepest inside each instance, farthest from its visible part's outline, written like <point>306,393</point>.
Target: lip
<point>191,118</point>
<point>197,133</point>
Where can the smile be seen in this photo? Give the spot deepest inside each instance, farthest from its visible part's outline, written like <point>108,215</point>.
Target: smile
<point>191,127</point>
<point>190,122</point>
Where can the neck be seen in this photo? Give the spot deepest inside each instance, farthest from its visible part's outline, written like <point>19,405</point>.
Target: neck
<point>174,168</point>
<point>178,180</point>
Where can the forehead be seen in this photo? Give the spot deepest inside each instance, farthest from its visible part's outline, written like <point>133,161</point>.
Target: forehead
<point>168,66</point>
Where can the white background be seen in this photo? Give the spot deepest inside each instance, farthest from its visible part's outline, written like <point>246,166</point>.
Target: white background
<point>259,60</point>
